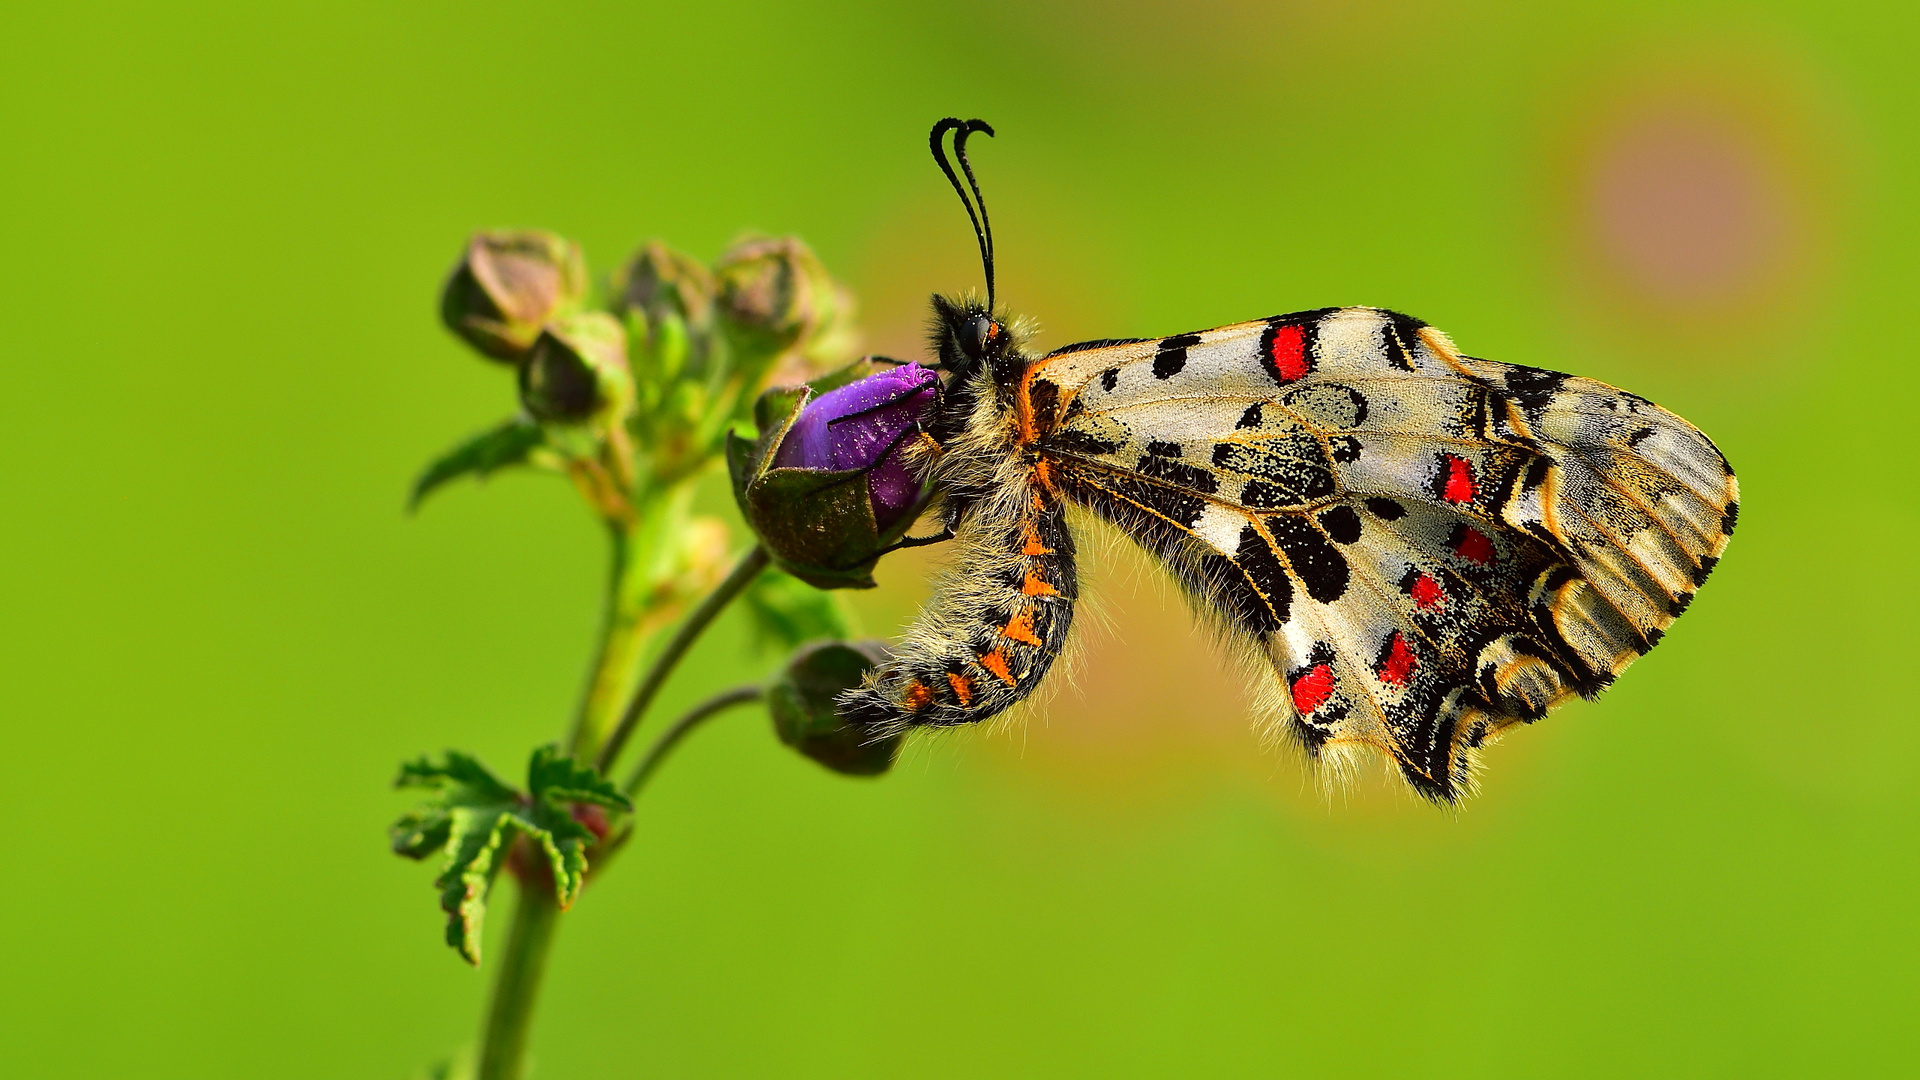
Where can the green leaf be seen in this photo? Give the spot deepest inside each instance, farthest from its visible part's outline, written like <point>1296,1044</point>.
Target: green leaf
<point>509,444</point>
<point>788,612</point>
<point>557,784</point>
<point>473,818</point>
<point>552,775</point>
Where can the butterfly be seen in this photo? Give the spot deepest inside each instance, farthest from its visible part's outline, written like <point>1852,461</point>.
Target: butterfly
<point>1422,547</point>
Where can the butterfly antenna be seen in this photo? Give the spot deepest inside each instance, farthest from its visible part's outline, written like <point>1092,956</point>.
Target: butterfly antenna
<point>982,228</point>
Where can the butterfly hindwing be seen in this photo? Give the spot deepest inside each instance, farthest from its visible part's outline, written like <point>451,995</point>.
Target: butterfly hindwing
<point>1427,547</point>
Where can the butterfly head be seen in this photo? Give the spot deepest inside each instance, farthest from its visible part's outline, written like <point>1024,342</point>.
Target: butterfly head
<point>968,337</point>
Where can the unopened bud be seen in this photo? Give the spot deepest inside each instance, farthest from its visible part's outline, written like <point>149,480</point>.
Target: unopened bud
<point>576,369</point>
<point>802,699</point>
<point>829,485</point>
<point>507,286</point>
<point>776,289</point>
<point>661,282</point>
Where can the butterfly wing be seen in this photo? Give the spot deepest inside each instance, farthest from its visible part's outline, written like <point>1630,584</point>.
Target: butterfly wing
<point>1428,548</point>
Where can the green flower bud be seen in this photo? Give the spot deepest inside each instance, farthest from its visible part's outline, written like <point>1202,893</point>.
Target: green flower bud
<point>802,697</point>
<point>577,370</point>
<point>660,282</point>
<point>770,285</point>
<point>777,300</point>
<point>507,286</point>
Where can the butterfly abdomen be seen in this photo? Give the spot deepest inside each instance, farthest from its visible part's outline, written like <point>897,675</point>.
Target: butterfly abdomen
<point>998,619</point>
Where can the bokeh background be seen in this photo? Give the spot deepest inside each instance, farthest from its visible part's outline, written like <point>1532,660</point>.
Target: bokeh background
<point>226,226</point>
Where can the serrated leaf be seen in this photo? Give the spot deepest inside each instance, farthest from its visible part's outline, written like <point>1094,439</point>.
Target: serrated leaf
<point>558,782</point>
<point>509,444</point>
<point>479,838</point>
<point>788,612</point>
<point>552,775</point>
<point>473,818</point>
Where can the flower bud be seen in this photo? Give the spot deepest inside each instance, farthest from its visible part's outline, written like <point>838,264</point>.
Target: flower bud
<point>778,300</point>
<point>660,282</point>
<point>771,285</point>
<point>863,425</point>
<point>576,369</point>
<point>829,485</point>
<point>801,700</point>
<point>507,286</point>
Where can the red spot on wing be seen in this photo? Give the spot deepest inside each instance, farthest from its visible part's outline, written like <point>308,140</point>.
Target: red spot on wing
<point>1426,592</point>
<point>1460,487</point>
<point>1398,665</point>
<point>1473,546</point>
<point>1290,352</point>
<point>1310,691</point>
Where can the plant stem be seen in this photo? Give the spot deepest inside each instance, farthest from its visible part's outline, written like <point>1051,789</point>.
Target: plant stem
<point>670,738</point>
<point>738,579</point>
<point>503,1048</point>
<point>631,598</point>
<point>642,558</point>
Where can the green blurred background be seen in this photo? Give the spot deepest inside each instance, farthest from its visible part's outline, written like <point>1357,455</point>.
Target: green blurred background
<point>227,226</point>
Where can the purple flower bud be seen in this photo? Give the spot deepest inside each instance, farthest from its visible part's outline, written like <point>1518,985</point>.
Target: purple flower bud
<point>866,425</point>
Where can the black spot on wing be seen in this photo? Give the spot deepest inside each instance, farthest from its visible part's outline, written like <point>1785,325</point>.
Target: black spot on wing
<point>1172,355</point>
<point>1109,379</point>
<point>1533,388</point>
<point>1344,449</point>
<point>1342,524</point>
<point>1260,495</point>
<point>1536,472</point>
<point>1311,737</point>
<point>1250,418</point>
<point>1386,509</point>
<point>1292,468</point>
<point>1706,567</point>
<point>1322,570</point>
<point>1329,404</point>
<point>1075,441</point>
<point>1044,397</point>
<point>1427,765</point>
<point>1175,472</point>
<point>1400,332</point>
<point>1163,449</point>
<point>1252,586</point>
<point>1165,500</point>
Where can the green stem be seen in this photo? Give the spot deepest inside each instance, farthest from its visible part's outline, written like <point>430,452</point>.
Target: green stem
<point>641,557</point>
<point>670,738</point>
<point>503,1049</point>
<point>737,580</point>
<point>637,566</point>
<point>639,553</point>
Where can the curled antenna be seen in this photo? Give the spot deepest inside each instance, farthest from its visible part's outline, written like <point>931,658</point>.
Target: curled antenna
<point>982,228</point>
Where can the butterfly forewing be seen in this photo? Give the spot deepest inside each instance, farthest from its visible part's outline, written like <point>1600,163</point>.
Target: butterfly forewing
<point>1426,547</point>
